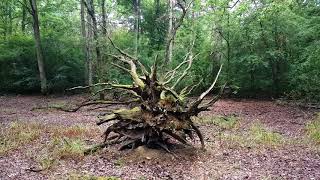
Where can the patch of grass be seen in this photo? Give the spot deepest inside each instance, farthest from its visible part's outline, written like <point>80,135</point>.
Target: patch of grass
<point>257,136</point>
<point>68,148</point>
<point>65,143</point>
<point>263,136</point>
<point>234,140</point>
<point>119,162</point>
<point>58,104</point>
<point>142,178</point>
<point>313,129</point>
<point>18,134</point>
<point>90,177</point>
<point>46,161</point>
<point>77,131</point>
<point>224,122</point>
<point>59,149</point>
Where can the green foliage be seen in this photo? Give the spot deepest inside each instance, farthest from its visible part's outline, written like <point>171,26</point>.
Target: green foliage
<point>19,71</point>
<point>268,48</point>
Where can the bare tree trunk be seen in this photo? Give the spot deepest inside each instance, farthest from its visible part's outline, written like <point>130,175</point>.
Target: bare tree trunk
<point>37,37</point>
<point>10,18</point>
<point>91,11</point>
<point>252,68</point>
<point>89,49</point>
<point>157,7</point>
<point>88,75</point>
<point>156,19</point>
<point>137,14</point>
<point>170,32</point>
<point>228,49</point>
<point>104,18</point>
<point>24,17</point>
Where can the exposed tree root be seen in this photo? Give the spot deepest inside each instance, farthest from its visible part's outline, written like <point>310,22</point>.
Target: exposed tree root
<point>159,112</point>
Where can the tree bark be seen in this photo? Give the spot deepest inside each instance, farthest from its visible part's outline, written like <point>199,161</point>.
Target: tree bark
<point>91,11</point>
<point>24,17</point>
<point>228,49</point>
<point>88,75</point>
<point>137,13</point>
<point>104,18</point>
<point>89,49</point>
<point>170,32</point>
<point>37,37</point>
<point>10,18</point>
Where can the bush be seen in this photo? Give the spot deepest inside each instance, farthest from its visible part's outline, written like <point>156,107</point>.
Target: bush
<point>19,72</point>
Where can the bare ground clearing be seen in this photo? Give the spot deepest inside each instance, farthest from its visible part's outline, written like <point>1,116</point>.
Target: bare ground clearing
<point>245,139</point>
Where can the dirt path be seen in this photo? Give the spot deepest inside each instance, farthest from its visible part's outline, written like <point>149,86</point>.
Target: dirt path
<point>225,158</point>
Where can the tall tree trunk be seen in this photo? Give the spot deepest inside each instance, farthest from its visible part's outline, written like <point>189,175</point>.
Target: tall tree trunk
<point>170,32</point>
<point>10,18</point>
<point>276,63</point>
<point>37,37</point>
<point>228,48</point>
<point>24,17</point>
<point>252,68</point>
<point>88,75</point>
<point>157,8</point>
<point>104,18</point>
<point>137,14</point>
<point>156,20</point>
<point>91,11</point>
<point>89,49</point>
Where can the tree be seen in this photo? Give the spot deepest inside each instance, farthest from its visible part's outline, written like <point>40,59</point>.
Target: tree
<point>137,17</point>
<point>91,12</point>
<point>36,31</point>
<point>24,17</point>
<point>86,45</point>
<point>104,18</point>
<point>170,32</point>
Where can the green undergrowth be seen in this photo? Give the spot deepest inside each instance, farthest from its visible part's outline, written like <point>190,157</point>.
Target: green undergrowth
<point>57,142</point>
<point>60,149</point>
<point>18,134</point>
<point>223,122</point>
<point>313,130</point>
<point>66,143</point>
<point>74,176</point>
<point>257,136</point>
<point>58,104</point>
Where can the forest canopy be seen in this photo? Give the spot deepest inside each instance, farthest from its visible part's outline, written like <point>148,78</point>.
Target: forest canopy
<point>269,48</point>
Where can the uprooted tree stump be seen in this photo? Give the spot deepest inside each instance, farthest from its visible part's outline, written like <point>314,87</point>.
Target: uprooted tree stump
<point>160,111</point>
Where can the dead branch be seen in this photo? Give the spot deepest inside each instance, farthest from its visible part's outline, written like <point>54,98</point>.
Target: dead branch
<point>196,103</point>
<point>185,72</point>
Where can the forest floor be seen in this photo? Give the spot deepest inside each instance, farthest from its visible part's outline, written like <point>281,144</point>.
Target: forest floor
<point>245,139</point>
